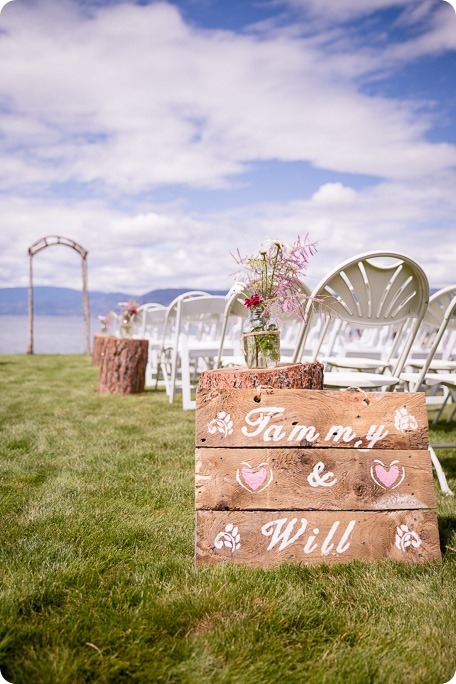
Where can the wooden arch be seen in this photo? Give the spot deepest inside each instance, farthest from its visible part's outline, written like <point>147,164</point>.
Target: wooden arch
<point>49,241</point>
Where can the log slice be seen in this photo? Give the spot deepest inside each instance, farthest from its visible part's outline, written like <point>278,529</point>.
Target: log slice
<point>295,376</point>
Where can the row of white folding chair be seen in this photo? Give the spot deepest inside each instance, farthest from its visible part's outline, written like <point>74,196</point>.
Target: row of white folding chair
<point>438,322</point>
<point>369,294</point>
<point>149,324</point>
<point>205,331</point>
<point>436,374</point>
<point>190,342</point>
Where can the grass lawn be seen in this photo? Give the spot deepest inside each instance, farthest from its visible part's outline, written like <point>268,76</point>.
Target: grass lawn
<point>98,582</point>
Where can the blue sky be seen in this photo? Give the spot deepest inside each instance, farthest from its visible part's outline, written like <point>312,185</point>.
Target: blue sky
<point>162,136</point>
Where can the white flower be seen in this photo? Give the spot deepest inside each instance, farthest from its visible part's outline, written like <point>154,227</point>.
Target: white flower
<point>267,244</point>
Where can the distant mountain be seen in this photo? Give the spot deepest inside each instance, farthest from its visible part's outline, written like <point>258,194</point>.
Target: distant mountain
<point>62,301</point>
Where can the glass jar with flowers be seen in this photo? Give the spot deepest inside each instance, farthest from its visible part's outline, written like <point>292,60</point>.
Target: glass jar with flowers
<point>127,316</point>
<point>105,322</point>
<point>272,285</point>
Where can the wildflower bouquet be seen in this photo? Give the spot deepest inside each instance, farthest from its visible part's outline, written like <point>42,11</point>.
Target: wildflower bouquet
<point>128,312</point>
<point>272,285</point>
<point>105,322</point>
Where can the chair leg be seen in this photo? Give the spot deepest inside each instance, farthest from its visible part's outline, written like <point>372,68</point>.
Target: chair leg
<point>187,402</point>
<point>165,371</point>
<point>453,399</point>
<point>446,395</point>
<point>440,474</point>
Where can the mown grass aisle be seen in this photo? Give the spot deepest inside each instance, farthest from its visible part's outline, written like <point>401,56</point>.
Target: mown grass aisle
<point>98,583</point>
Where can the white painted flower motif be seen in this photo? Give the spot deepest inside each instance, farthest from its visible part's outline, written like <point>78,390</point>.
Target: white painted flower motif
<point>230,538</point>
<point>222,424</point>
<point>404,421</point>
<point>406,538</point>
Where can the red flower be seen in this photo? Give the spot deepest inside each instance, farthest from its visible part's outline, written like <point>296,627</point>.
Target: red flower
<point>255,300</point>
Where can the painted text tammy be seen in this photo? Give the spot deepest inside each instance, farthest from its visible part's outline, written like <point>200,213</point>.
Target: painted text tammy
<point>258,422</point>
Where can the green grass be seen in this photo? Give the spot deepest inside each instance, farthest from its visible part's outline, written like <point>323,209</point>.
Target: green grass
<point>98,582</point>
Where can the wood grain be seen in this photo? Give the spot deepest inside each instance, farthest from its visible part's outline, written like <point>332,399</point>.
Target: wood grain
<point>123,367</point>
<point>99,342</point>
<point>267,538</point>
<point>311,419</point>
<point>284,376</point>
<point>275,479</point>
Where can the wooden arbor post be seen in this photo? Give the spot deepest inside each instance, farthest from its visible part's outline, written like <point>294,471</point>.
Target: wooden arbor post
<point>49,241</point>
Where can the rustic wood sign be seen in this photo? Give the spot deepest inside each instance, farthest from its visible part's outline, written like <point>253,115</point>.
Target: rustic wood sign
<point>313,476</point>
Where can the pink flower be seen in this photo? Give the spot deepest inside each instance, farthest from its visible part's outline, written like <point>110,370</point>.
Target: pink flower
<point>275,276</point>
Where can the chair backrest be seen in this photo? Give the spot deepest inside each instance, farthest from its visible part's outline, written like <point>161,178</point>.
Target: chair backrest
<point>438,307</point>
<point>201,317</point>
<point>149,320</point>
<point>373,289</point>
<point>172,309</point>
<point>447,320</point>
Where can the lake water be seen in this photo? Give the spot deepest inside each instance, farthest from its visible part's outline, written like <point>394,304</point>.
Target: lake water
<point>52,334</point>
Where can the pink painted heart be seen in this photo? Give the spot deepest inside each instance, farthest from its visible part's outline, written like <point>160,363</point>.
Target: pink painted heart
<point>254,479</point>
<point>387,477</point>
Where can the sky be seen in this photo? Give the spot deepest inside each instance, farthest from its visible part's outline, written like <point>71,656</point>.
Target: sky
<point>163,136</point>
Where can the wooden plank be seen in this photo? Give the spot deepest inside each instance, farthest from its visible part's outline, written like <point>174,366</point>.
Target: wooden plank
<point>309,537</point>
<point>311,418</point>
<point>322,479</point>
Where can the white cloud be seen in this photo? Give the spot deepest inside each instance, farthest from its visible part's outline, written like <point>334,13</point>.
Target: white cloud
<point>138,252</point>
<point>334,194</point>
<point>128,98</point>
<point>345,10</point>
<point>132,97</point>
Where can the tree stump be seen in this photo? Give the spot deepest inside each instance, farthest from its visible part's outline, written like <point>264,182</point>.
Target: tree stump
<point>295,376</point>
<point>99,342</point>
<point>123,367</point>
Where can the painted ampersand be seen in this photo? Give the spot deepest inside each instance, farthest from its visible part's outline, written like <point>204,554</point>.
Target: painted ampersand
<point>316,479</point>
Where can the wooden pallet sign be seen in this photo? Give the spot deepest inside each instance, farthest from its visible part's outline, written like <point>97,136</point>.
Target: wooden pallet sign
<point>313,476</point>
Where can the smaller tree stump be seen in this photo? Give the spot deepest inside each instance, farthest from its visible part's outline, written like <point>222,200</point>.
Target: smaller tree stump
<point>123,367</point>
<point>295,376</point>
<point>99,342</point>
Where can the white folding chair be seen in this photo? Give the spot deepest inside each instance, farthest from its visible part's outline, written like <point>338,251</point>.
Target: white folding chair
<point>430,372</point>
<point>149,325</point>
<point>144,323</point>
<point>193,343</point>
<point>378,289</point>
